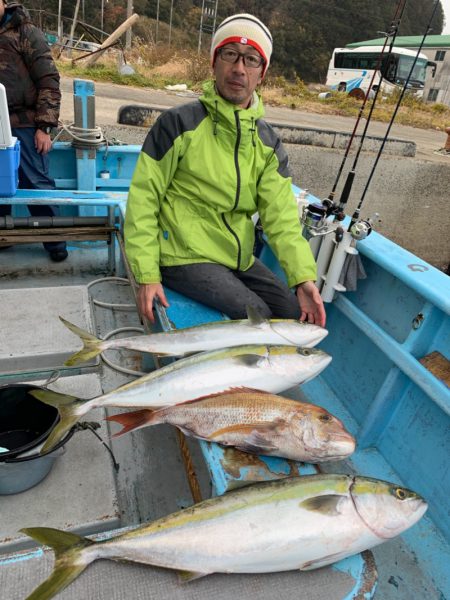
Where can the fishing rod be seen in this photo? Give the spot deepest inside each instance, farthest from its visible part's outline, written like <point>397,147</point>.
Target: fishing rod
<point>314,215</point>
<point>391,35</point>
<point>333,252</point>
<point>352,173</point>
<point>428,28</point>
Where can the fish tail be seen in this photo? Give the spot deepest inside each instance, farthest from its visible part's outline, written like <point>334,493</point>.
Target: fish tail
<point>92,346</point>
<point>70,560</point>
<point>67,407</point>
<point>132,420</point>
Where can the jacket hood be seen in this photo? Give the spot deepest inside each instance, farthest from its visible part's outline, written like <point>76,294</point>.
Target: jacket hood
<point>19,15</point>
<point>221,109</point>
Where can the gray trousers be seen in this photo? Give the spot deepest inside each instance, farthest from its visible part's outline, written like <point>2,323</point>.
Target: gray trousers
<point>231,291</point>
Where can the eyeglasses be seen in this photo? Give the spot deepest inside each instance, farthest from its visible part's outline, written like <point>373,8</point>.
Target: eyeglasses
<point>232,56</point>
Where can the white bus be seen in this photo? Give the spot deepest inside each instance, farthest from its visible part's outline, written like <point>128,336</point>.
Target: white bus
<point>351,70</point>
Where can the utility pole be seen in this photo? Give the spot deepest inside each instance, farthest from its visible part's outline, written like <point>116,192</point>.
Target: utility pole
<point>59,22</point>
<point>170,22</point>
<point>128,34</point>
<point>72,29</point>
<point>207,19</point>
<point>157,21</point>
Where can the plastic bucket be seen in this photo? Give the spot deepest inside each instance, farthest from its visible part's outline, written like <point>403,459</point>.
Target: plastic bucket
<point>25,424</point>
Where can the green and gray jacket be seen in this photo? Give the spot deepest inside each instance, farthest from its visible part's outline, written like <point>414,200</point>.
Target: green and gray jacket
<point>205,168</point>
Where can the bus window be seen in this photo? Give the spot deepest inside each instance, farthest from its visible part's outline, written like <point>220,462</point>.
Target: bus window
<point>389,69</point>
<point>353,60</point>
<point>405,64</point>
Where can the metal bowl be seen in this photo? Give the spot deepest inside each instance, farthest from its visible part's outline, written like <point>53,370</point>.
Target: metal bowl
<point>25,424</point>
<point>25,421</point>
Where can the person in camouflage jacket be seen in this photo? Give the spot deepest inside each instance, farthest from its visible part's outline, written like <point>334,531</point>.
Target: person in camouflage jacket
<point>28,72</point>
<point>31,80</point>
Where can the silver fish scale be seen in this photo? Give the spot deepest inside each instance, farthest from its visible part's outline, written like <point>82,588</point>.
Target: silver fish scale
<point>199,376</point>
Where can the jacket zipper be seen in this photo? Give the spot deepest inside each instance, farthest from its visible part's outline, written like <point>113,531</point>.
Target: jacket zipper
<point>238,188</point>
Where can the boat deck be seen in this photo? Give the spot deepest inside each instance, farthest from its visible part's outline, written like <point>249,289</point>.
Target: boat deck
<point>84,492</point>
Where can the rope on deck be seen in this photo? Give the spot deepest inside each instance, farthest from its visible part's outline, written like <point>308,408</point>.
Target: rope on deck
<point>189,468</point>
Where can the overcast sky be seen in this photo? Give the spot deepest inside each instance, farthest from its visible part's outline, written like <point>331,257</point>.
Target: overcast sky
<point>446,7</point>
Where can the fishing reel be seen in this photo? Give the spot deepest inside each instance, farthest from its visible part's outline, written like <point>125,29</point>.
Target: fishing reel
<point>334,209</point>
<point>361,228</point>
<point>315,216</point>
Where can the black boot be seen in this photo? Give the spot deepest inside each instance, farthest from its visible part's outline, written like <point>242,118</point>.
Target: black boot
<point>58,255</point>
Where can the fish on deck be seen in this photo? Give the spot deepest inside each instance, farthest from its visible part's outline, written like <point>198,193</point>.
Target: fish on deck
<point>295,523</point>
<point>203,338</point>
<point>255,422</point>
<point>265,367</point>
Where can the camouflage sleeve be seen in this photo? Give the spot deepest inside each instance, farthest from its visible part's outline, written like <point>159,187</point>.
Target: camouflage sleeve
<point>45,76</point>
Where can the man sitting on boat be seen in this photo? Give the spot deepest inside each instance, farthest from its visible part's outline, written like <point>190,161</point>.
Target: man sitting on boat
<point>205,168</point>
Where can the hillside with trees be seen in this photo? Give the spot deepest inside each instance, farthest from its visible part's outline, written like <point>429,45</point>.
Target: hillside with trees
<point>304,31</point>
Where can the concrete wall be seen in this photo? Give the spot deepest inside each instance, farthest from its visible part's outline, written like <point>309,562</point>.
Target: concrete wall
<point>411,196</point>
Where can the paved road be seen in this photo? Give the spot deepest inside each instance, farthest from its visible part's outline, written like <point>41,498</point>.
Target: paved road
<point>110,97</point>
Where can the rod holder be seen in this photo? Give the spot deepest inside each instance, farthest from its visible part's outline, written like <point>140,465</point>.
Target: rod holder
<point>331,279</point>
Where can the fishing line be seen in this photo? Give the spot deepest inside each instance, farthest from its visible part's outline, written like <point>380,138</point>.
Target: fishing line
<point>391,34</point>
<point>405,86</point>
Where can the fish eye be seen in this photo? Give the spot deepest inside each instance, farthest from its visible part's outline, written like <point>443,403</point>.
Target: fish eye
<point>400,493</point>
<point>305,351</point>
<point>325,418</point>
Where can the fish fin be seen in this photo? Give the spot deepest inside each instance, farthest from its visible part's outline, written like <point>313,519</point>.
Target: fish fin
<point>256,441</point>
<point>231,390</point>
<point>255,448</point>
<point>253,430</point>
<point>187,576</point>
<point>131,420</point>
<point>92,346</point>
<point>326,505</point>
<point>323,561</point>
<point>68,549</point>
<point>247,390</point>
<point>258,445</point>
<point>254,317</point>
<point>66,406</point>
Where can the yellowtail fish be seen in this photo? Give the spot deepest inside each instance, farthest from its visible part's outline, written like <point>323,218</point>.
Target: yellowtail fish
<point>268,368</point>
<point>203,338</point>
<point>294,523</point>
<point>255,422</point>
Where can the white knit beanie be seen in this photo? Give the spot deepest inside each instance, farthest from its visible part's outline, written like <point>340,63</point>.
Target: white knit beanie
<point>243,29</point>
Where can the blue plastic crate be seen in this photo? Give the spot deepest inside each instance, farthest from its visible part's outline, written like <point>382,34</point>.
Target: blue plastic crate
<point>9,167</point>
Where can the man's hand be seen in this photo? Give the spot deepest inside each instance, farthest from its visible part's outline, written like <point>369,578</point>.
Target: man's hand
<point>311,304</point>
<point>42,141</point>
<point>146,295</point>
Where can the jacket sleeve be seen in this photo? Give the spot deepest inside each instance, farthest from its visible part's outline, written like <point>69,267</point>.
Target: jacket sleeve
<point>279,216</point>
<point>152,176</point>
<point>45,76</point>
